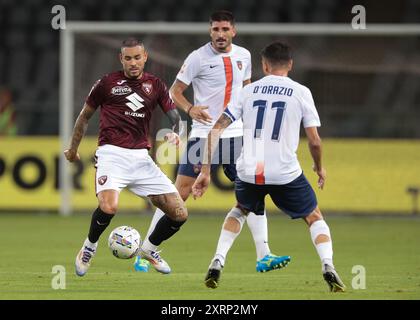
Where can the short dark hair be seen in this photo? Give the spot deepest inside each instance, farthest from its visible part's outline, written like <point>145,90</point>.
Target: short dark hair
<point>222,15</point>
<point>131,42</point>
<point>277,53</point>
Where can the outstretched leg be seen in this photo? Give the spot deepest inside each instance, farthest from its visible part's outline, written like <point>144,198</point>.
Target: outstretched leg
<point>101,218</point>
<point>266,261</point>
<point>183,184</point>
<point>258,226</point>
<point>232,227</point>
<point>175,216</point>
<point>321,238</point>
<point>142,265</point>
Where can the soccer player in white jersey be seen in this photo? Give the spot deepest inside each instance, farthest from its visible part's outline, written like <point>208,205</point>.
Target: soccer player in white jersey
<point>272,110</point>
<point>218,71</point>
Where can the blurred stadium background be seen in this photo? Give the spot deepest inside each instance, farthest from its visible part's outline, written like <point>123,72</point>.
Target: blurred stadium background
<point>366,88</point>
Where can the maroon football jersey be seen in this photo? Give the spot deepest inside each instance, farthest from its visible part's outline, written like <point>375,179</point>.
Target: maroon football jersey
<point>126,108</point>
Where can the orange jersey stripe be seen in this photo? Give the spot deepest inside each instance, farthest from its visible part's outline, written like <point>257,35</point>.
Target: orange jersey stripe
<point>229,79</point>
<point>259,173</point>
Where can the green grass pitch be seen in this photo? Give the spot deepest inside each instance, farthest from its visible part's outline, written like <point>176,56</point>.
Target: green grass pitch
<point>388,249</point>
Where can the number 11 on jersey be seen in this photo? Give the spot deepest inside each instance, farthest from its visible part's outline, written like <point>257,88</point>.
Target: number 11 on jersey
<point>262,105</point>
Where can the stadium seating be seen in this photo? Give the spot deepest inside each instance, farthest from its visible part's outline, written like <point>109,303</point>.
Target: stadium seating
<point>29,58</point>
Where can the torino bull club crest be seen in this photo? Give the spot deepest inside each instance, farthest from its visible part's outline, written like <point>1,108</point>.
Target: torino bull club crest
<point>147,87</point>
<point>102,180</point>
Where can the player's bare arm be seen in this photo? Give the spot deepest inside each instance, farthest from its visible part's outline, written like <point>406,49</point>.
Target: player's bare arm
<point>203,180</point>
<point>197,113</point>
<point>315,148</point>
<point>245,82</point>
<point>79,131</point>
<point>177,127</point>
<point>213,138</point>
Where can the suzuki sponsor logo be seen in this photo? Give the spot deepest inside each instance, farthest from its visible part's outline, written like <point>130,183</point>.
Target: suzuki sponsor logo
<point>136,102</point>
<point>134,114</point>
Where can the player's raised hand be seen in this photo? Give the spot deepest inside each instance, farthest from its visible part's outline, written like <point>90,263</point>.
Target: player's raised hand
<point>200,185</point>
<point>71,155</point>
<point>322,176</point>
<point>200,114</point>
<point>173,139</point>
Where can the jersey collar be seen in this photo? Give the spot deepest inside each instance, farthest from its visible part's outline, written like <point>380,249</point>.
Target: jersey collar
<point>215,52</point>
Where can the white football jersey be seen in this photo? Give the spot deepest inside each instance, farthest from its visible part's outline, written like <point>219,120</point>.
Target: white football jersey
<point>272,110</point>
<point>217,79</point>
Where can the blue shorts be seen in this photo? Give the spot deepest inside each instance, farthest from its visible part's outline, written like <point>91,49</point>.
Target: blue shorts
<point>226,154</point>
<point>297,198</point>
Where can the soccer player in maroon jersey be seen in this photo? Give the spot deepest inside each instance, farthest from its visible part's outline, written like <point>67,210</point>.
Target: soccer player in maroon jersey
<point>127,99</point>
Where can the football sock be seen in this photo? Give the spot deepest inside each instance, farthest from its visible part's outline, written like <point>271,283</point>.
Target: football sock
<point>147,245</point>
<point>100,220</point>
<point>227,237</point>
<point>324,249</point>
<point>258,226</point>
<point>90,245</point>
<point>156,217</point>
<point>164,229</point>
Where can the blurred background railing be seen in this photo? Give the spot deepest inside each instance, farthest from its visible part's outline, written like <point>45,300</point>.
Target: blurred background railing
<point>365,87</point>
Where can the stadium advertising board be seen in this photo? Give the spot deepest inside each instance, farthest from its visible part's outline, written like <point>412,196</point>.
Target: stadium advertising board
<point>29,178</point>
<point>363,176</point>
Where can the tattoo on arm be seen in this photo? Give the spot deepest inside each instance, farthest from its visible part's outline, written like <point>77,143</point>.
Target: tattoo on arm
<point>175,118</point>
<point>81,125</point>
<point>223,122</point>
<point>213,138</point>
<point>248,81</point>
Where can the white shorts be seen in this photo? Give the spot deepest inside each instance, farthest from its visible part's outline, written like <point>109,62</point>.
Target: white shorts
<point>117,168</point>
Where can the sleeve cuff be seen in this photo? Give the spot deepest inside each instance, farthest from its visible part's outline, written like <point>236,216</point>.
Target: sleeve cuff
<point>183,80</point>
<point>311,124</point>
<point>229,114</point>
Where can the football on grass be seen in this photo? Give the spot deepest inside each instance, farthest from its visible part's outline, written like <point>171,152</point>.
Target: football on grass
<point>124,242</point>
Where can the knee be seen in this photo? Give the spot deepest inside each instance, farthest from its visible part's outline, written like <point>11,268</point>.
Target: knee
<point>178,210</point>
<point>314,216</point>
<point>244,211</point>
<point>181,213</point>
<point>234,220</point>
<point>109,207</point>
<point>232,225</point>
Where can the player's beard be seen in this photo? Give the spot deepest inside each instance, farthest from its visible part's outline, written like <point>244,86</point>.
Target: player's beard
<point>222,45</point>
<point>134,74</point>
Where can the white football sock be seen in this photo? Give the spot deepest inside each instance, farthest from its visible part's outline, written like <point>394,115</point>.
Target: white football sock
<point>147,245</point>
<point>90,245</point>
<point>324,249</point>
<point>226,237</point>
<point>156,217</point>
<point>258,226</point>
